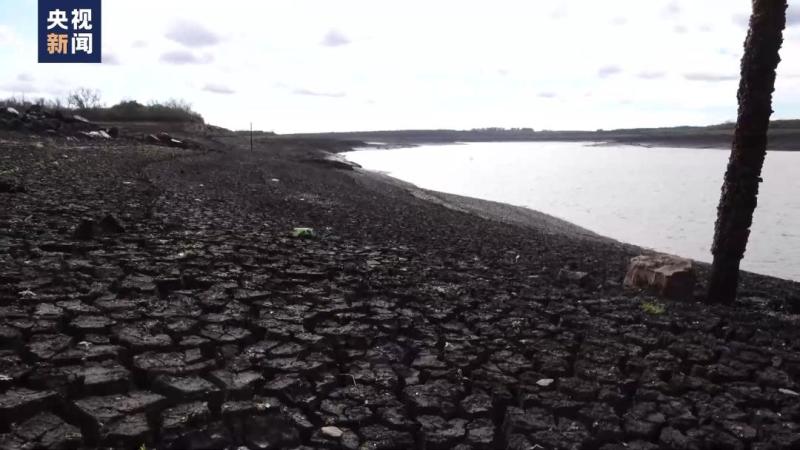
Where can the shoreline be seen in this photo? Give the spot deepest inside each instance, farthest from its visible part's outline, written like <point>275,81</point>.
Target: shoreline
<point>522,215</point>
<point>492,210</point>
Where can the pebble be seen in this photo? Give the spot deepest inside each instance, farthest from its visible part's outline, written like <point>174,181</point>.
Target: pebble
<point>334,432</point>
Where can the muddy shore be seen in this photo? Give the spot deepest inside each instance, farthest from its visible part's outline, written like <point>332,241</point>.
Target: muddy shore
<point>185,316</point>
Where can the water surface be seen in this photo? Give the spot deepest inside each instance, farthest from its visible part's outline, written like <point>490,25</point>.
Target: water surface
<point>661,198</point>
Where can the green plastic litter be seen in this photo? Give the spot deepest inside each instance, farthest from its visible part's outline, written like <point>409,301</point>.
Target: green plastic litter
<point>303,232</point>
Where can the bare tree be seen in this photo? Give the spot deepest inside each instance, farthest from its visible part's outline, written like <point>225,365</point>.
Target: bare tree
<point>740,188</point>
<point>84,98</point>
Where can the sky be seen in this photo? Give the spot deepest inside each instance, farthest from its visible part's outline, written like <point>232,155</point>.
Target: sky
<point>344,65</point>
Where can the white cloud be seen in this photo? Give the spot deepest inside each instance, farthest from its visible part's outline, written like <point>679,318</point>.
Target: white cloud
<point>607,71</point>
<point>192,34</point>
<point>335,38</point>
<point>181,57</point>
<point>312,93</point>
<point>110,59</point>
<point>218,89</point>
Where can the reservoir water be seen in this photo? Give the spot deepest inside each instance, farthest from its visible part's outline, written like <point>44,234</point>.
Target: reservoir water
<point>661,198</point>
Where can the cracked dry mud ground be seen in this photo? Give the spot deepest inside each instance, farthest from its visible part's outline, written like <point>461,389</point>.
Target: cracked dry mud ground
<point>404,325</point>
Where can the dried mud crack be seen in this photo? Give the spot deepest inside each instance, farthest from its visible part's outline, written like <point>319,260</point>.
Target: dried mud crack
<point>192,320</point>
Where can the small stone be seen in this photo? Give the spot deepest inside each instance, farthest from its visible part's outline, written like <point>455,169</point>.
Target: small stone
<point>573,276</point>
<point>334,432</point>
<point>545,382</point>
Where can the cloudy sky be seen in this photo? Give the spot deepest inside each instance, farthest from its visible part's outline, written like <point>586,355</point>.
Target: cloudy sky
<point>322,65</point>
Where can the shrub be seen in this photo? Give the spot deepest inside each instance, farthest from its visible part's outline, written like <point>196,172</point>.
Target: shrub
<point>86,102</point>
<point>84,98</point>
<point>133,111</point>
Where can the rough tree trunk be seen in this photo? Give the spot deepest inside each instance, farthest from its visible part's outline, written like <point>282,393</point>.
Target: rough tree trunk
<point>740,188</point>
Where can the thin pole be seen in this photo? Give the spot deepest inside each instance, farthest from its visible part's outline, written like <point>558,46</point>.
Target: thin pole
<point>251,136</point>
<point>740,188</point>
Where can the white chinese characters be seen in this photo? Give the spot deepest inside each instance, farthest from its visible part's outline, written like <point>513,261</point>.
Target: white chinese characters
<point>57,18</point>
<point>81,19</point>
<point>63,40</point>
<point>82,42</point>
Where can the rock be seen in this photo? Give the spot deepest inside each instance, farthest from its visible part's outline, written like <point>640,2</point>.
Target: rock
<point>117,416</point>
<point>480,433</point>
<point>104,378</point>
<point>164,138</point>
<point>185,388</point>
<point>17,404</point>
<point>110,225</point>
<point>518,420</point>
<point>98,134</point>
<point>177,143</point>
<point>545,382</point>
<point>184,415</point>
<point>669,276</point>
<point>333,432</point>
<point>478,404</point>
<point>88,228</point>
<point>12,111</point>
<point>237,383</point>
<point>185,363</point>
<point>438,432</point>
<point>127,432</point>
<point>9,337</point>
<point>572,276</point>
<point>47,430</point>
<point>91,324</point>
<point>139,338</point>
<point>380,437</point>
<point>434,396</point>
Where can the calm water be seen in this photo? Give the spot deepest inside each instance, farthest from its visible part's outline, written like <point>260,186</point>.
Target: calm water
<point>661,198</point>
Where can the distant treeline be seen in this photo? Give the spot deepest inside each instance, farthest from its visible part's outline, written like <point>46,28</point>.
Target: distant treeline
<point>784,135</point>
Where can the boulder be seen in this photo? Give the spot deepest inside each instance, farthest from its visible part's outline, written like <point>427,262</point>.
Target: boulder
<point>667,275</point>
